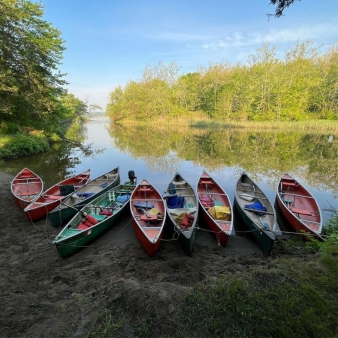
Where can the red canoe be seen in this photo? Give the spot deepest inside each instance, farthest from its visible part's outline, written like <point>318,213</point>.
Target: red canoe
<point>216,208</point>
<point>25,187</point>
<point>52,197</point>
<point>148,214</point>
<point>299,206</point>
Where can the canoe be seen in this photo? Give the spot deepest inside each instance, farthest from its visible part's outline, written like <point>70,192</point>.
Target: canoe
<point>216,208</point>
<point>25,187</point>
<point>94,219</point>
<point>73,203</point>
<point>256,213</point>
<point>148,216</point>
<point>52,197</point>
<point>299,206</point>
<point>182,209</point>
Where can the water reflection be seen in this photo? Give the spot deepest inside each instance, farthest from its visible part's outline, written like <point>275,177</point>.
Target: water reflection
<point>157,152</point>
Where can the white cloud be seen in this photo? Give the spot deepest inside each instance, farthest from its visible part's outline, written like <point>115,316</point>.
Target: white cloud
<point>237,39</point>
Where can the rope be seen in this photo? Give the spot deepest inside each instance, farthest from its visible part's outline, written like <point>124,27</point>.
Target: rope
<point>87,246</point>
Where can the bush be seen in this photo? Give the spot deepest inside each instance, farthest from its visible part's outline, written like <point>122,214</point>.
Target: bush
<point>24,145</point>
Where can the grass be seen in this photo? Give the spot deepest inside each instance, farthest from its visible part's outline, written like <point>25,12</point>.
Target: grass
<point>294,297</point>
<point>201,122</point>
<point>291,296</point>
<point>313,125</point>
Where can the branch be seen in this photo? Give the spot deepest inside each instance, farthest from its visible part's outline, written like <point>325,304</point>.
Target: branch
<point>281,5</point>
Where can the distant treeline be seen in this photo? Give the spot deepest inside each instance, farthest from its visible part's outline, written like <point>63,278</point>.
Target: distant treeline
<point>303,85</point>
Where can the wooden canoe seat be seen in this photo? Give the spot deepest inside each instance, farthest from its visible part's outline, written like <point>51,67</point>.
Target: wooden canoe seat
<point>29,193</point>
<point>148,218</point>
<point>289,184</point>
<point>54,197</point>
<point>24,177</point>
<point>302,212</point>
<point>207,182</point>
<point>144,188</point>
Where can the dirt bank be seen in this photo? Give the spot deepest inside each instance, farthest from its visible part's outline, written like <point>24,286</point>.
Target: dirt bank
<point>110,284</point>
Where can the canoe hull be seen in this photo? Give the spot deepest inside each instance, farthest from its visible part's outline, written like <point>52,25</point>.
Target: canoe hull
<point>292,197</point>
<point>180,191</point>
<point>264,240</point>
<point>71,245</point>
<point>215,195</point>
<point>25,187</point>
<point>221,236</point>
<point>51,198</point>
<point>264,235</point>
<point>150,247</point>
<point>71,239</point>
<point>62,213</point>
<point>148,227</point>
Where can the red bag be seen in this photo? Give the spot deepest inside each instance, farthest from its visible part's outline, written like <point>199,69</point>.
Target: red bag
<point>106,212</point>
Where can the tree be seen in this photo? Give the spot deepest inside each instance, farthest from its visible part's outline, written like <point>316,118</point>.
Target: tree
<point>30,52</point>
<point>280,6</point>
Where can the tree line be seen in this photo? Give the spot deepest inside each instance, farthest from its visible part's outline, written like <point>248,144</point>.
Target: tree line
<point>303,85</point>
<point>32,92</point>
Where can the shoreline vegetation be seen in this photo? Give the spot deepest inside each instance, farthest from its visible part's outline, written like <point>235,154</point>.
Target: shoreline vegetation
<point>29,143</point>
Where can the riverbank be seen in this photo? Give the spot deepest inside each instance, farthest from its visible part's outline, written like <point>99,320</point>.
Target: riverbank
<point>112,288</point>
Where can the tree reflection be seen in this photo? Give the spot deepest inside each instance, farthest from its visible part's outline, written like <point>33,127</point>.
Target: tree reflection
<point>261,153</point>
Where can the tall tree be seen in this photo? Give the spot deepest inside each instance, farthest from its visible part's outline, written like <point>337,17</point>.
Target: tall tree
<point>30,52</point>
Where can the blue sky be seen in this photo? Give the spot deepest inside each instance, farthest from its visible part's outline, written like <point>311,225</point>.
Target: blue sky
<point>110,42</point>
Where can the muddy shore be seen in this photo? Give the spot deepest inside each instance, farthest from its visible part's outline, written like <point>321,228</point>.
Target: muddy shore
<point>43,295</point>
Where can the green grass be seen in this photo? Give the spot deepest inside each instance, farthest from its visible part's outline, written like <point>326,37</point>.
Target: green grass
<point>292,297</point>
<point>313,125</point>
<point>293,301</point>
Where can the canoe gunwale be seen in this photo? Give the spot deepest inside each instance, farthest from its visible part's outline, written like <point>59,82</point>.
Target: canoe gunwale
<point>298,223</point>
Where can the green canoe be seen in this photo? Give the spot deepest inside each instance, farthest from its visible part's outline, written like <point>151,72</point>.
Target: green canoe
<point>256,213</point>
<point>71,205</point>
<point>182,210</point>
<point>94,219</point>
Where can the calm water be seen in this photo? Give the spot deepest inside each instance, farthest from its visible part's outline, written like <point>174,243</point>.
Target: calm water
<point>157,153</point>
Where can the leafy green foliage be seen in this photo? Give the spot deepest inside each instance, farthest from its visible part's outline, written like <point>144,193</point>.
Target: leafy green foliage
<point>24,145</point>
<point>30,52</point>
<point>302,86</point>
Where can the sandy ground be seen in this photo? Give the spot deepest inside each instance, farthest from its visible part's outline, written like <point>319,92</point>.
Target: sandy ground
<point>112,280</point>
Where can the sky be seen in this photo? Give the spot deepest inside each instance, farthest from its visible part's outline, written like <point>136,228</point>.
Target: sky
<point>109,42</point>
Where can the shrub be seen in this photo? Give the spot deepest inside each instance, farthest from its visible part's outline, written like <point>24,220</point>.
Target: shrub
<point>24,145</point>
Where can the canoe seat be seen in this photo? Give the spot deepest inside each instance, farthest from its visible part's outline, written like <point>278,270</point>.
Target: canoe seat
<point>302,212</point>
<point>54,197</point>
<point>289,184</point>
<point>148,218</point>
<point>145,187</point>
<point>207,182</point>
<point>26,176</point>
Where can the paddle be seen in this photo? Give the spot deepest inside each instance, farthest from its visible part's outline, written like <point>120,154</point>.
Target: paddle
<point>84,214</point>
<point>266,225</point>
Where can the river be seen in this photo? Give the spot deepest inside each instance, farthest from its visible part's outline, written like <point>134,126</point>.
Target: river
<point>157,153</point>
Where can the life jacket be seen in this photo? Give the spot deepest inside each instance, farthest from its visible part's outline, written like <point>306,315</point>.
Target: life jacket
<point>87,222</point>
<point>187,221</point>
<point>206,201</point>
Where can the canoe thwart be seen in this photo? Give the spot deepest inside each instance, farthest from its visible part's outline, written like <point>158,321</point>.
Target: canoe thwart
<point>303,212</point>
